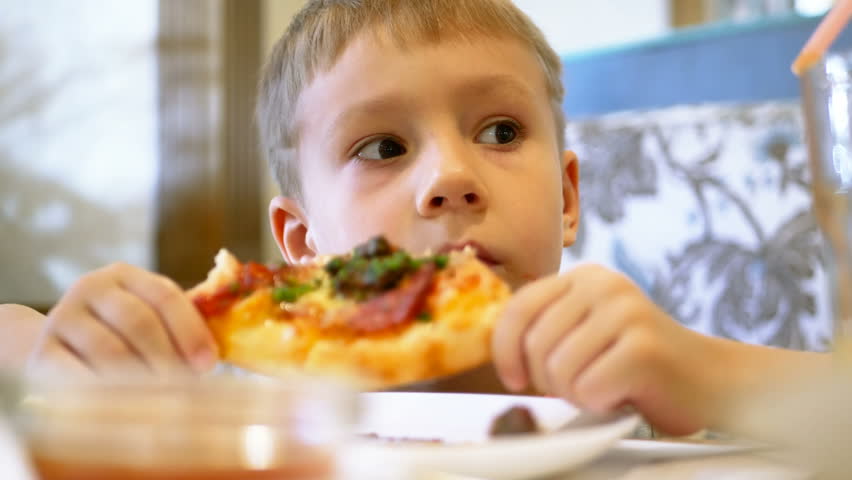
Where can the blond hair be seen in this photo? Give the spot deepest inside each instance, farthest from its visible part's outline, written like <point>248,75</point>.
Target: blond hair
<point>321,31</point>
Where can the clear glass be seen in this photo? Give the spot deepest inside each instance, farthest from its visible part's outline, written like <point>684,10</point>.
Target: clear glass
<point>827,108</point>
<point>210,429</point>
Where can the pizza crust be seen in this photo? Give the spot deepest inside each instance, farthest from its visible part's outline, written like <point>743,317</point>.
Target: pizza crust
<point>225,271</point>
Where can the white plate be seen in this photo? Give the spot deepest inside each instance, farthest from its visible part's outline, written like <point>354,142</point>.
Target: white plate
<point>665,449</point>
<point>13,462</point>
<point>461,422</point>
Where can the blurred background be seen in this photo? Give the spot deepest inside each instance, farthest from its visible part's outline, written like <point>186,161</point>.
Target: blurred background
<point>127,134</point>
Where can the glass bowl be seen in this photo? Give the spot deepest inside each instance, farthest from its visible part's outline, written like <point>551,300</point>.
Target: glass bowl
<point>220,428</point>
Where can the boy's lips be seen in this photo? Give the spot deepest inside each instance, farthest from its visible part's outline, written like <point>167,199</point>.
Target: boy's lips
<point>481,252</point>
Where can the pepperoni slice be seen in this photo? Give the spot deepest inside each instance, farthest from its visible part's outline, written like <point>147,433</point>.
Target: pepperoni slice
<point>214,304</point>
<point>396,306</point>
<point>251,277</point>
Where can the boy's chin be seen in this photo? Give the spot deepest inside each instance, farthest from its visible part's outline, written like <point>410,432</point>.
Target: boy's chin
<point>515,281</point>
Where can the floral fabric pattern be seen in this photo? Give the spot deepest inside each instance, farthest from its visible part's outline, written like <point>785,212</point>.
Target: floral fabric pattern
<point>707,208</point>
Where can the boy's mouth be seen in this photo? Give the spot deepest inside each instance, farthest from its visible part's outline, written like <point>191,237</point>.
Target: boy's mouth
<point>481,252</point>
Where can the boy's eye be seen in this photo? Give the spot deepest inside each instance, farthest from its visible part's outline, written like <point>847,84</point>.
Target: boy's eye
<point>381,149</point>
<point>500,133</point>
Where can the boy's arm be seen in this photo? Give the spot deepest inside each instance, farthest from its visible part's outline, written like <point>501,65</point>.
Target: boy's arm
<point>21,327</point>
<point>751,371</point>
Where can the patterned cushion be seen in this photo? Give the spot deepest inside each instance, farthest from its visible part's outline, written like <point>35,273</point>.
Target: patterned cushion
<point>707,208</point>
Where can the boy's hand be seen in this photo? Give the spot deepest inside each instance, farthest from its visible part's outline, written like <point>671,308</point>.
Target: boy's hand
<point>124,319</point>
<point>592,337</point>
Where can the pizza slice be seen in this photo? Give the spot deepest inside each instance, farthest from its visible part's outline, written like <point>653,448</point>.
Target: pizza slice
<point>377,315</point>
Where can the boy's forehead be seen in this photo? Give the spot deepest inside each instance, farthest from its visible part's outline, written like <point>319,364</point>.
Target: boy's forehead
<point>374,72</point>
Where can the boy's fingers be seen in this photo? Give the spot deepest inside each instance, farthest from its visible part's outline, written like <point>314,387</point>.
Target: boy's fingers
<point>625,374</point>
<point>523,308</point>
<point>185,325</point>
<point>54,359</point>
<point>585,345</point>
<point>545,334</point>
<point>140,327</point>
<point>96,344</point>
<point>606,383</point>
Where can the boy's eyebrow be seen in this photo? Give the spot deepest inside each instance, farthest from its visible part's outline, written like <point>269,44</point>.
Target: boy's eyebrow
<point>493,84</point>
<point>483,86</point>
<point>370,107</point>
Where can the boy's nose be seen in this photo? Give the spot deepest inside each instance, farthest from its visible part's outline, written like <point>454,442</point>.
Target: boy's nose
<point>456,190</point>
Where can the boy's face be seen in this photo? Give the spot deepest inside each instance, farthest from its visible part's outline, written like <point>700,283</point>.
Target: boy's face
<point>439,144</point>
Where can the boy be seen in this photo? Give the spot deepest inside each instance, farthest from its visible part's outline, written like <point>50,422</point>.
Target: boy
<point>434,122</point>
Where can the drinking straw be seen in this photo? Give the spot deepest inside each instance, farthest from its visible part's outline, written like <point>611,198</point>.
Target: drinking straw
<point>824,35</point>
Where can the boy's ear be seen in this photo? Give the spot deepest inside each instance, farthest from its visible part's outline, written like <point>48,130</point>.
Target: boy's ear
<point>290,229</point>
<point>570,197</point>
